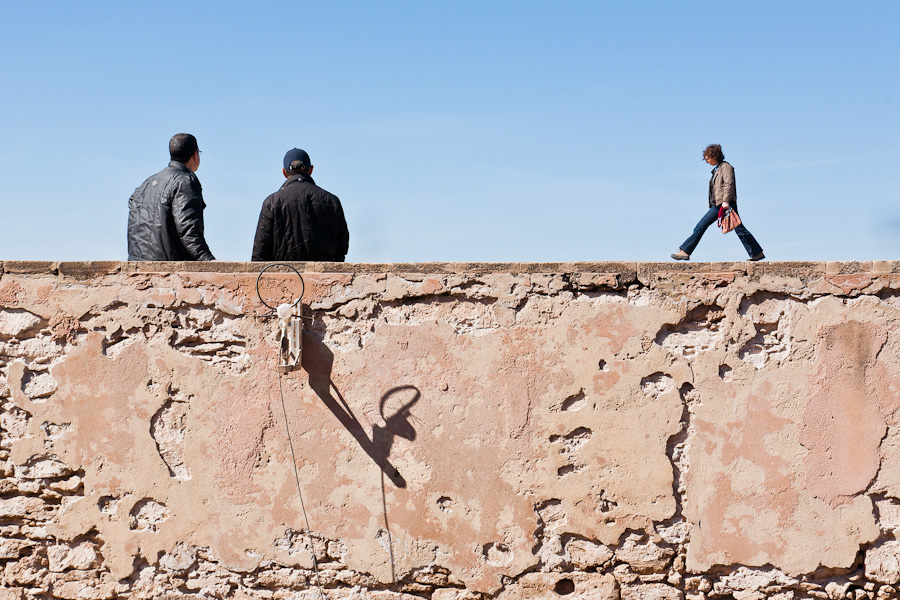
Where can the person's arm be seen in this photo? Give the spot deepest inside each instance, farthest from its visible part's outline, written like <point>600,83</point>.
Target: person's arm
<point>263,243</point>
<point>727,184</point>
<point>343,234</point>
<point>187,212</point>
<point>330,218</point>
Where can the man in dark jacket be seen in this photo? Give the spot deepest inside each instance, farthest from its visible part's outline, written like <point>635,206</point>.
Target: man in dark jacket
<point>165,214</point>
<point>301,221</point>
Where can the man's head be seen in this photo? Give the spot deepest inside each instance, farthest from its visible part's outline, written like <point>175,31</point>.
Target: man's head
<point>713,154</point>
<point>183,148</point>
<point>296,162</point>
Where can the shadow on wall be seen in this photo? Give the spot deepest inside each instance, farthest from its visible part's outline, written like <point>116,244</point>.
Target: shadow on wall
<point>318,361</point>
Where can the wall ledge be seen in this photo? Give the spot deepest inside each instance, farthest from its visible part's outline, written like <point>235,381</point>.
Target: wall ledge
<point>803,269</point>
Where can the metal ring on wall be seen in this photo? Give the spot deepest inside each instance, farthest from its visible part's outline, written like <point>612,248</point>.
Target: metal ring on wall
<point>266,268</point>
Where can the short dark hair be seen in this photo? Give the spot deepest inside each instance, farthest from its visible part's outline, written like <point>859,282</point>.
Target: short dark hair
<point>182,147</point>
<point>714,151</point>
<point>298,168</point>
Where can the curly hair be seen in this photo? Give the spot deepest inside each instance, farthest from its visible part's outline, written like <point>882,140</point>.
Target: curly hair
<point>714,151</point>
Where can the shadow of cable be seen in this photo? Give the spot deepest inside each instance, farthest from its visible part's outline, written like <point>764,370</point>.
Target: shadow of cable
<point>318,361</point>
<point>396,425</point>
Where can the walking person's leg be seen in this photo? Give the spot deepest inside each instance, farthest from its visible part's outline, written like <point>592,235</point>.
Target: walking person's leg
<point>754,250</point>
<point>752,247</point>
<point>687,248</point>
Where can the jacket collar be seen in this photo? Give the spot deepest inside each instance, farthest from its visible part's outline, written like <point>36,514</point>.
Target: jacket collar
<point>179,165</point>
<point>297,177</point>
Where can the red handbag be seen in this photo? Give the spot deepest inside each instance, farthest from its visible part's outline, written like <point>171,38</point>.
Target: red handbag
<point>728,219</point>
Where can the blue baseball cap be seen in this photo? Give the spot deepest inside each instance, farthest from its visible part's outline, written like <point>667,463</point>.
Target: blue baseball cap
<point>295,155</point>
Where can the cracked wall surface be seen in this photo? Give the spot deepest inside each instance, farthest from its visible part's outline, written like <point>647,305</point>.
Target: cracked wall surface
<point>461,431</point>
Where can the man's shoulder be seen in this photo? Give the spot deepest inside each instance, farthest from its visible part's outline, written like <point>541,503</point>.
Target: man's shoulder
<point>185,182</point>
<point>156,181</point>
<point>303,188</point>
<point>326,195</point>
<point>183,175</point>
<point>271,199</point>
<point>323,193</point>
<point>176,172</point>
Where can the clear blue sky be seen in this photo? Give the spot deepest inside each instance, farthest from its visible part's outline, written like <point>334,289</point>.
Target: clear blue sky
<point>471,131</point>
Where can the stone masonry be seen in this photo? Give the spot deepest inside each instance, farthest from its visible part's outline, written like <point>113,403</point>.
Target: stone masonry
<point>462,432</point>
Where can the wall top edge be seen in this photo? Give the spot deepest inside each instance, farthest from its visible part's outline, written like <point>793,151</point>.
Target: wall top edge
<point>89,269</point>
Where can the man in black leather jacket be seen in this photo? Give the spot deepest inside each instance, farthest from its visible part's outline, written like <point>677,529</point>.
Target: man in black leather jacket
<point>165,214</point>
<point>301,221</point>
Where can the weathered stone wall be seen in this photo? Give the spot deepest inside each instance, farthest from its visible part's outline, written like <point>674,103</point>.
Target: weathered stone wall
<point>596,430</point>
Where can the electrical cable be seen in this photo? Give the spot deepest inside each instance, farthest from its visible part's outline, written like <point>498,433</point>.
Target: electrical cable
<point>287,426</point>
<point>269,266</point>
<point>312,547</point>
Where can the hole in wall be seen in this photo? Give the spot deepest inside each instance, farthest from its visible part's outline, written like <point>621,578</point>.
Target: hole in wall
<point>107,504</point>
<point>657,384</point>
<point>725,373</point>
<point>689,395</point>
<point>574,402</point>
<point>564,587</point>
<point>167,428</point>
<point>147,514</point>
<point>497,554</point>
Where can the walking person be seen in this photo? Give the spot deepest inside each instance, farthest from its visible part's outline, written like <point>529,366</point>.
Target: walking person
<point>165,214</point>
<point>722,194</point>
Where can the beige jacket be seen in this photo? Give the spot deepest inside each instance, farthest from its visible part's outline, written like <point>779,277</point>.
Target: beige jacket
<point>721,185</point>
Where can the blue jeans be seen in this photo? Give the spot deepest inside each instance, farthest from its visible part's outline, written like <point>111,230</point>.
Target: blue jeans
<point>750,244</point>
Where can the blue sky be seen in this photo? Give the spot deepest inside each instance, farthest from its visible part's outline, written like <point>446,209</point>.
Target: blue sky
<point>469,131</point>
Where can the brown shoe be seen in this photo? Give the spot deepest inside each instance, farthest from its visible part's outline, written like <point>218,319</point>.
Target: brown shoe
<point>681,255</point>
<point>756,257</point>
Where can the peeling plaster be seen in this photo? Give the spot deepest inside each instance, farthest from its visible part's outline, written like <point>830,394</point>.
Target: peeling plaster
<point>637,433</point>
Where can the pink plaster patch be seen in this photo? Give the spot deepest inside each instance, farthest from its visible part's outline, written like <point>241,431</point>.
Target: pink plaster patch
<point>843,425</point>
<point>851,283</point>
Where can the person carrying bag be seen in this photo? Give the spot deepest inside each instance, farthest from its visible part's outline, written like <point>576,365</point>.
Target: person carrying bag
<point>722,208</point>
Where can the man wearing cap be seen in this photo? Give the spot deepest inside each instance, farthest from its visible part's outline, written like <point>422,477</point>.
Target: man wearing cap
<point>165,214</point>
<point>301,221</point>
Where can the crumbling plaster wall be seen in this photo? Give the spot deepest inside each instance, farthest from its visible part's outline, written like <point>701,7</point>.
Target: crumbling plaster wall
<point>462,432</point>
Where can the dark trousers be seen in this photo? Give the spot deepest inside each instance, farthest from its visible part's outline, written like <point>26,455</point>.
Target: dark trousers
<point>750,244</point>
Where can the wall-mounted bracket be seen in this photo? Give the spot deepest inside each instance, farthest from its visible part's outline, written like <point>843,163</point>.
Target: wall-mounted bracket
<point>291,344</point>
<point>290,324</point>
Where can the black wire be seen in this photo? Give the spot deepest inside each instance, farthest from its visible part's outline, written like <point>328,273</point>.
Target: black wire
<point>266,268</point>
<point>312,546</point>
